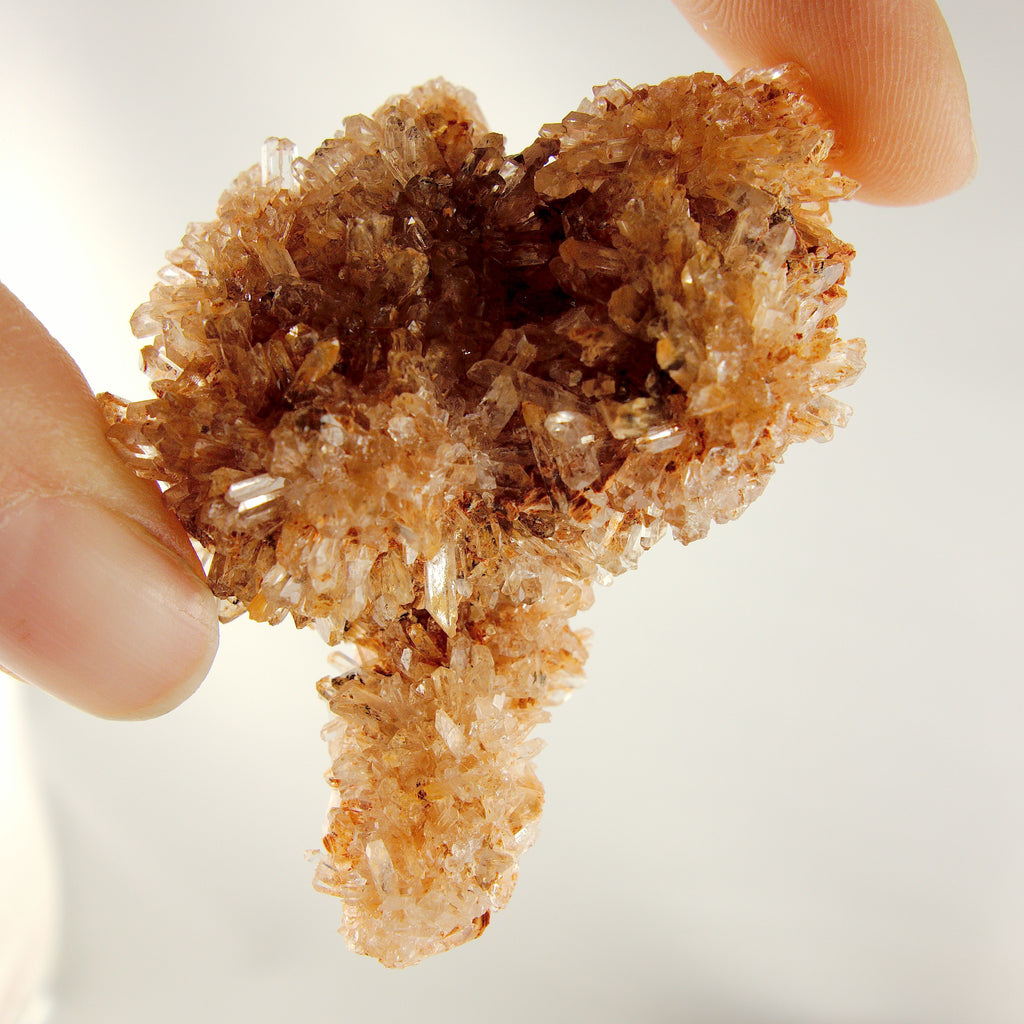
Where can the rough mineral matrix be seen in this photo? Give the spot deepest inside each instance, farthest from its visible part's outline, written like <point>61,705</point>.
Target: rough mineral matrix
<point>421,394</point>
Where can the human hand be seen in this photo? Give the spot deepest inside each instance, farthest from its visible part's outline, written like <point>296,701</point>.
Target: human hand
<point>102,599</point>
<point>884,72</point>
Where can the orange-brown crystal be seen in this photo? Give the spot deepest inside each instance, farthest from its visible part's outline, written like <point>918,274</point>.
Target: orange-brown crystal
<point>421,394</point>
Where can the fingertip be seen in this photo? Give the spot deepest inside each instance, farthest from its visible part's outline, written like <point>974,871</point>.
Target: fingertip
<point>902,112</point>
<point>100,613</point>
<point>52,433</point>
<point>885,74</point>
<point>103,601</point>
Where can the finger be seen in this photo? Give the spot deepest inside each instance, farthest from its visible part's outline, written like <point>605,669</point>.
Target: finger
<point>885,73</point>
<point>102,599</point>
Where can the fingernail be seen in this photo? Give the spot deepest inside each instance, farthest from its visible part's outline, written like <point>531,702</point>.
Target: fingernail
<point>99,613</point>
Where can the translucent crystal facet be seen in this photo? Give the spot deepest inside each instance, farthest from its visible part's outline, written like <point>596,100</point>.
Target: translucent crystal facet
<point>276,163</point>
<point>419,394</point>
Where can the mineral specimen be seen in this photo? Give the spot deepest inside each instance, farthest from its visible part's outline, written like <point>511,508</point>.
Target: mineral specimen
<point>420,394</point>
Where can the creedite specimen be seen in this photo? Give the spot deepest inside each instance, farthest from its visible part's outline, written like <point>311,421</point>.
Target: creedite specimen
<point>420,394</point>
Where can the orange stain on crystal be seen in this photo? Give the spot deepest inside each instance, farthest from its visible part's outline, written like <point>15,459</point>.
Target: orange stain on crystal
<point>421,394</point>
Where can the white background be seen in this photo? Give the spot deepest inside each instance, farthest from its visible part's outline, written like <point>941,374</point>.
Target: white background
<point>790,792</point>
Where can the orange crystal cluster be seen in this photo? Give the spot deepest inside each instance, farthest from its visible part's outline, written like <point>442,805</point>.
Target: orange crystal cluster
<point>420,394</point>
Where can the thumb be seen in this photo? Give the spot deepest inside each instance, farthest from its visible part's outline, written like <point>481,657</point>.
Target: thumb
<point>102,599</point>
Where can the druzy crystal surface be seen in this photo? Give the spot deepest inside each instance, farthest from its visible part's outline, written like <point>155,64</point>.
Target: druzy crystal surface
<point>420,394</point>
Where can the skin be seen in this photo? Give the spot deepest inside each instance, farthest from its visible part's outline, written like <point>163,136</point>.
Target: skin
<point>884,72</point>
<point>102,600</point>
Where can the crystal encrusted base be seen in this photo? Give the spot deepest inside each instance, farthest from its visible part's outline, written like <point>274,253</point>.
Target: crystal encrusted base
<point>420,394</point>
